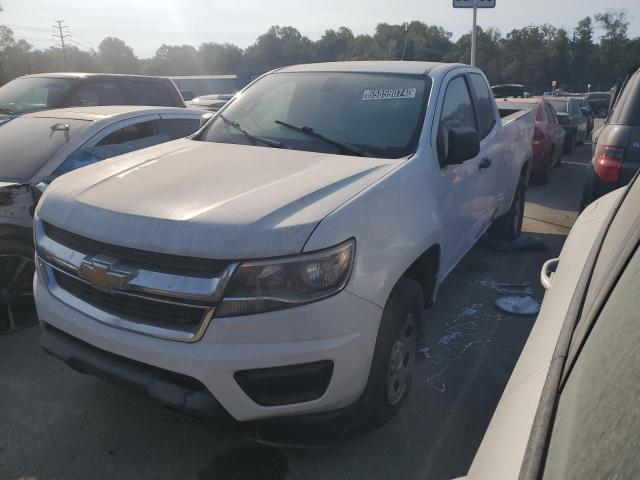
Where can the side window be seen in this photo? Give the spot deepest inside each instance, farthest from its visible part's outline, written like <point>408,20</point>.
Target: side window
<point>595,432</point>
<point>143,92</point>
<point>486,104</point>
<point>98,93</point>
<point>457,111</point>
<point>180,127</point>
<point>125,140</point>
<point>574,108</point>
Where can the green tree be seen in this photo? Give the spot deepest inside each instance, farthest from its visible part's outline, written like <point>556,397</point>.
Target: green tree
<point>279,47</point>
<point>489,52</point>
<point>220,59</point>
<point>117,57</point>
<point>582,52</point>
<point>334,45</point>
<point>176,60</point>
<point>614,42</point>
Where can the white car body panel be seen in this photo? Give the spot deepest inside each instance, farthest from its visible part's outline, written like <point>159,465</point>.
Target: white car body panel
<point>503,447</point>
<point>236,202</point>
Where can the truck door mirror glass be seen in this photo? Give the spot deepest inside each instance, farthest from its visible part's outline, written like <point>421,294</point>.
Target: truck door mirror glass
<point>205,118</point>
<point>464,144</point>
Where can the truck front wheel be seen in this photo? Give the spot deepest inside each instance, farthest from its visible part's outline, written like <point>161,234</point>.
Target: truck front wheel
<point>509,226</point>
<point>394,357</point>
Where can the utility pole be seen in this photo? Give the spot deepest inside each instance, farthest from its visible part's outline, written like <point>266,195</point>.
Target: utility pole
<point>474,33</point>
<point>61,36</point>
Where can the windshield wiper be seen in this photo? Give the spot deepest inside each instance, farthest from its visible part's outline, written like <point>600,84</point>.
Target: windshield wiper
<point>7,110</point>
<point>312,133</point>
<point>266,141</point>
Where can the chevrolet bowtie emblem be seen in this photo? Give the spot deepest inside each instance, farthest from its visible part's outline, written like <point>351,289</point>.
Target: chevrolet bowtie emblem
<point>102,275</point>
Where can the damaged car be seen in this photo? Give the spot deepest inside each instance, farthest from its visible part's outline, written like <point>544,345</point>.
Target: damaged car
<point>39,147</point>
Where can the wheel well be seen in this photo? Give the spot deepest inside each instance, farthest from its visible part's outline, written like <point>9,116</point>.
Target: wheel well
<point>424,270</point>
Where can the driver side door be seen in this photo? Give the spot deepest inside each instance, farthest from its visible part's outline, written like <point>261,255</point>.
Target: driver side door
<point>459,186</point>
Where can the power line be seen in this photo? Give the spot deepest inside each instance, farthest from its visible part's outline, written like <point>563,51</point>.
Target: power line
<point>61,36</point>
<point>85,40</point>
<point>23,27</point>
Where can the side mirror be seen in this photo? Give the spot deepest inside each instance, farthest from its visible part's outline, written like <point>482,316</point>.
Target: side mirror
<point>187,95</point>
<point>464,144</point>
<point>205,118</point>
<point>585,111</point>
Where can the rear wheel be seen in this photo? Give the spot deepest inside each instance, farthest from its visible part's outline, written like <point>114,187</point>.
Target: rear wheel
<point>394,357</point>
<point>17,309</point>
<point>509,226</point>
<point>603,112</point>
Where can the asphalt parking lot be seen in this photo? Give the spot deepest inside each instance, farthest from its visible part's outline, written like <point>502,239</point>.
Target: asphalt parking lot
<point>55,423</point>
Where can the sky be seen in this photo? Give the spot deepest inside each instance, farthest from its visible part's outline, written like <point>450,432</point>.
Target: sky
<point>146,24</point>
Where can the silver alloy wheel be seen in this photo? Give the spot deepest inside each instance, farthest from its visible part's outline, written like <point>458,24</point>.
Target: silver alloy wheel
<point>17,309</point>
<point>402,360</point>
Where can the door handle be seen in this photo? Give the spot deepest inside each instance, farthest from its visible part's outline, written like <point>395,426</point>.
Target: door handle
<point>546,274</point>
<point>484,163</point>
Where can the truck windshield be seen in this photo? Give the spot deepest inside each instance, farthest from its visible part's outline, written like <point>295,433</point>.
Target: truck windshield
<point>24,95</point>
<point>381,114</point>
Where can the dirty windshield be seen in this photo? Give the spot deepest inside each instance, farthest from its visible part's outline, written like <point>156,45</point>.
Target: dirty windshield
<point>24,95</point>
<point>379,113</point>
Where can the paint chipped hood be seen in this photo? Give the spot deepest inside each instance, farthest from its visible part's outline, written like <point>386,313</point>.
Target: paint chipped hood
<point>208,199</point>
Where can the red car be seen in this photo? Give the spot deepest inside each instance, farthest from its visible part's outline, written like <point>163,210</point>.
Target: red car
<point>548,136</point>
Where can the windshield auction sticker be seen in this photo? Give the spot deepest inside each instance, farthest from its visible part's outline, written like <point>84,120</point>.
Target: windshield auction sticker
<point>389,93</point>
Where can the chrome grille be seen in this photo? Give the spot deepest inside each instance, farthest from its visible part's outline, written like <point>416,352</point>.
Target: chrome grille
<point>174,299</point>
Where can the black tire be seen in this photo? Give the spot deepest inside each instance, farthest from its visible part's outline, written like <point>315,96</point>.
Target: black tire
<point>541,178</point>
<point>569,143</point>
<point>509,226</point>
<point>17,309</point>
<point>377,403</point>
<point>603,112</point>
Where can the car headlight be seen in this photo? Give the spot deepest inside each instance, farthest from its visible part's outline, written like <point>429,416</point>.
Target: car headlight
<point>267,285</point>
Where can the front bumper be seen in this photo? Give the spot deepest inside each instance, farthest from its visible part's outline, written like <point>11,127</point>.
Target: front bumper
<point>342,329</point>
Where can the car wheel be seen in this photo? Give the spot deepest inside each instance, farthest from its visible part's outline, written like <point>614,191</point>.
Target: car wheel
<point>509,226</point>
<point>394,356</point>
<point>17,309</point>
<point>603,112</point>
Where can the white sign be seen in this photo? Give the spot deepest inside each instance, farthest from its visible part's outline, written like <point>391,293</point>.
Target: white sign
<point>469,3</point>
<point>388,93</point>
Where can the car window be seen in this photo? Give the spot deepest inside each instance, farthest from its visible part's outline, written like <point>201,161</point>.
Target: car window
<point>98,93</point>
<point>128,139</point>
<point>143,92</point>
<point>485,102</point>
<point>457,111</point>
<point>180,127</point>
<point>595,433</point>
<point>560,106</point>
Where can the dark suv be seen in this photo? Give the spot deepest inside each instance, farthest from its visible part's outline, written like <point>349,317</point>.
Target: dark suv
<point>57,90</point>
<point>616,146</point>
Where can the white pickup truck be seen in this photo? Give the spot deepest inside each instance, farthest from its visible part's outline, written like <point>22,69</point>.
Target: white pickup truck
<point>276,264</point>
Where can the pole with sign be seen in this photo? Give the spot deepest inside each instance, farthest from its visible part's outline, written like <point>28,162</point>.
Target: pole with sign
<point>475,4</point>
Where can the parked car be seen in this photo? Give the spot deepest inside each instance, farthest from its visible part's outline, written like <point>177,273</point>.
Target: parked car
<point>212,103</point>
<point>585,108</point>
<point>616,146</point>
<point>572,119</point>
<point>599,103</point>
<point>568,410</point>
<point>39,147</point>
<point>509,90</point>
<point>277,264</point>
<point>44,91</point>
<point>548,135</point>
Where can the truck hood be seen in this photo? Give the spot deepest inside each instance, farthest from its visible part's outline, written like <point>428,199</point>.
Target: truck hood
<point>208,199</point>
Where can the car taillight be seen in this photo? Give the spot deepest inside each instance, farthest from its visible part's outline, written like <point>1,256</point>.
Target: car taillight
<point>538,136</point>
<point>609,163</point>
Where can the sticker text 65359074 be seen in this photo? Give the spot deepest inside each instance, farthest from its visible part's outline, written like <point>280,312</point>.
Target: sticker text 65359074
<point>388,93</point>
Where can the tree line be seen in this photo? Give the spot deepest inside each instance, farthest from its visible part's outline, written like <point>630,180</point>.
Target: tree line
<point>534,55</point>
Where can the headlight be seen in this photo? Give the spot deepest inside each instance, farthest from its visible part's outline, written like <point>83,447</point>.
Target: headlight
<point>287,282</point>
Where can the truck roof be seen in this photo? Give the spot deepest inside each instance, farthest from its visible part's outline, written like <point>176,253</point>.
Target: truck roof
<point>100,112</point>
<point>83,75</point>
<point>415,68</point>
